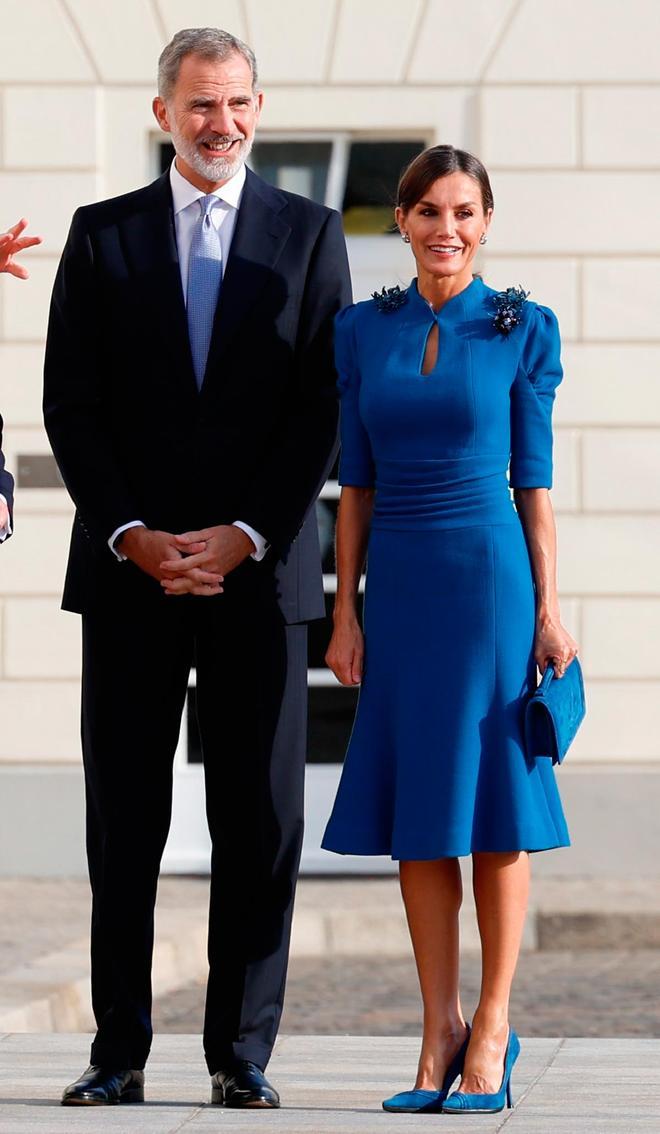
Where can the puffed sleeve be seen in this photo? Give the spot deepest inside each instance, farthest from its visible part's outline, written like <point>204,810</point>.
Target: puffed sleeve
<point>532,394</point>
<point>356,465</point>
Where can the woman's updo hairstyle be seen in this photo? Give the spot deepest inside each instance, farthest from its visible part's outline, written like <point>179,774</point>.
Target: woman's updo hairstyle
<point>440,161</point>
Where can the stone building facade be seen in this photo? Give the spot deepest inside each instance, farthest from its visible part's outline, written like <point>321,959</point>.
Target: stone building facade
<point>562,102</point>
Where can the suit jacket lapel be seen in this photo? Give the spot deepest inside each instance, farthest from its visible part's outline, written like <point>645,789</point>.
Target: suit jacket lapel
<point>150,246</point>
<point>257,243</point>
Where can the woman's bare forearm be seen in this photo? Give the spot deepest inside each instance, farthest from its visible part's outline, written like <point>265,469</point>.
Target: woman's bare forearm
<point>535,510</point>
<point>353,524</point>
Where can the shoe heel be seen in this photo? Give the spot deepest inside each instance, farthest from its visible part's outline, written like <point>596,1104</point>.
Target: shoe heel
<point>134,1095</point>
<point>217,1096</point>
<point>509,1099</point>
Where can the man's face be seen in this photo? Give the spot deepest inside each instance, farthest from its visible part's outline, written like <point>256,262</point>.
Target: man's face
<point>211,115</point>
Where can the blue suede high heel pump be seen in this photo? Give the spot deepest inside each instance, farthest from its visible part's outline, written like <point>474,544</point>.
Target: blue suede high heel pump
<point>459,1103</point>
<point>429,1102</point>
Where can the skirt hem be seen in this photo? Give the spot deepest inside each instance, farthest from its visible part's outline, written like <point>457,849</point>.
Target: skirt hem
<point>387,853</point>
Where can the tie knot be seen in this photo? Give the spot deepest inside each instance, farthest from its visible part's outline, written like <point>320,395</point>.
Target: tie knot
<point>206,203</point>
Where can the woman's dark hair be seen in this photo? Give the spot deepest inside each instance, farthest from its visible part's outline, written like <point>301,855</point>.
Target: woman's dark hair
<point>440,161</point>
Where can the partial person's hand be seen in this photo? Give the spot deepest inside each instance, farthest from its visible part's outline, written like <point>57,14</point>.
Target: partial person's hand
<point>345,654</point>
<point>147,549</point>
<point>4,516</point>
<point>210,552</point>
<point>11,243</point>
<point>554,644</point>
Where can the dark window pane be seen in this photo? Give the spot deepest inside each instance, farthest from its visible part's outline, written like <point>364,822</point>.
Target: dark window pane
<point>192,728</point>
<point>38,470</point>
<point>326,518</point>
<point>331,712</point>
<point>374,169</point>
<point>299,167</point>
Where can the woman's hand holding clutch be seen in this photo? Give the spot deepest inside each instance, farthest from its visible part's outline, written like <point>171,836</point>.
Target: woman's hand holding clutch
<point>553,643</point>
<point>345,654</point>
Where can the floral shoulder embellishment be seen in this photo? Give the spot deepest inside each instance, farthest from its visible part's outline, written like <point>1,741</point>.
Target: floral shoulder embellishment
<point>389,299</point>
<point>508,309</point>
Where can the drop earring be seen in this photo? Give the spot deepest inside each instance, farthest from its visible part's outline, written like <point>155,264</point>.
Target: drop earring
<point>405,238</point>
<point>483,239</point>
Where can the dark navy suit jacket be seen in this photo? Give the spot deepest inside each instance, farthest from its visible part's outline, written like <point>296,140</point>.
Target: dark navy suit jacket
<point>133,437</point>
<point>6,479</point>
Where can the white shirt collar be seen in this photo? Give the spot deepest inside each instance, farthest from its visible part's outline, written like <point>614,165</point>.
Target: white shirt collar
<point>184,192</point>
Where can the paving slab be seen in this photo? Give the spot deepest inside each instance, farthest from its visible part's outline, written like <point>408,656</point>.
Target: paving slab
<point>334,1085</point>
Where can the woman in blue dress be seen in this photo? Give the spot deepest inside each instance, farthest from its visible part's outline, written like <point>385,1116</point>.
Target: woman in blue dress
<point>443,387</point>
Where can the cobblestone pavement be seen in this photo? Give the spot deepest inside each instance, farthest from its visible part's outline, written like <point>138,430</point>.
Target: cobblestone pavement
<point>599,993</point>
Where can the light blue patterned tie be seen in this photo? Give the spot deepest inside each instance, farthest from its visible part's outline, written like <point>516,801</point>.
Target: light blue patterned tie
<point>204,277</point>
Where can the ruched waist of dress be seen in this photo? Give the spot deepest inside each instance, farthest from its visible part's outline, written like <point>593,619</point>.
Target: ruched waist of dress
<point>447,493</point>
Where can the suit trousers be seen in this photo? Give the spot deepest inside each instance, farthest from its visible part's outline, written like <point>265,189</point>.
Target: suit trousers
<point>252,711</point>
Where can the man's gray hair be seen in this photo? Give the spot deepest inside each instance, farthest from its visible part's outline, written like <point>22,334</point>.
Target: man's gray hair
<point>209,43</point>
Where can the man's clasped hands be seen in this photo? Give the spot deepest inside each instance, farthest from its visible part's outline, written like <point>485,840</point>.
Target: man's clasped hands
<point>194,563</point>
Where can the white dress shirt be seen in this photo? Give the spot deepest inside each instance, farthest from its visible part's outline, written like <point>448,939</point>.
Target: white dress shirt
<point>5,530</point>
<point>223,216</point>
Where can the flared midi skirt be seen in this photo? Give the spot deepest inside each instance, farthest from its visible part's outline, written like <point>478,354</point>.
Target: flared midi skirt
<point>436,765</point>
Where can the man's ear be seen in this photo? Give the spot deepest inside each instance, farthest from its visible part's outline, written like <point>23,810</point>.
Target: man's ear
<point>160,114</point>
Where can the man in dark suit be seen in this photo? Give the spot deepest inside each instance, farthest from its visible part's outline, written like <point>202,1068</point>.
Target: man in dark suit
<point>190,402</point>
<point>12,243</point>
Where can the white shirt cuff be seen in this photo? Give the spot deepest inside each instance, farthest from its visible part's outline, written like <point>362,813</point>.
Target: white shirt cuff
<point>261,545</point>
<point>6,529</point>
<point>116,534</point>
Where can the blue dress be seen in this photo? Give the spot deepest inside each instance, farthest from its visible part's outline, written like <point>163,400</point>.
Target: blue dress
<point>436,765</point>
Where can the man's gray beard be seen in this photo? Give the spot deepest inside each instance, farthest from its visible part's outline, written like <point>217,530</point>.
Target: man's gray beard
<point>213,169</point>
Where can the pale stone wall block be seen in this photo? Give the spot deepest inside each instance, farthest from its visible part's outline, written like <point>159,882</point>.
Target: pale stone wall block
<point>571,618</point>
<point>50,128</point>
<point>130,140</point>
<point>123,38</point>
<point>432,114</point>
<point>609,385</point>
<point>48,201</point>
<point>24,308</point>
<point>622,470</point>
<point>19,442</point>
<point>595,40</point>
<point>40,641</point>
<point>617,126</point>
<point>566,460</point>
<point>571,212</point>
<point>600,555</point>
<point>34,564</point>
<point>38,43</point>
<point>387,27</point>
<point>620,637</point>
<point>528,126</point>
<point>622,722</point>
<point>40,721</point>
<point>226,14</point>
<point>377,262</point>
<point>291,45</point>
<point>455,46</point>
<point>21,367</point>
<point>554,283</point>
<point>621,298</point>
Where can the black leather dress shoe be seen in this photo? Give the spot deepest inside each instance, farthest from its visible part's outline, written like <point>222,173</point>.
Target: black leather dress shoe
<point>102,1086</point>
<point>242,1084</point>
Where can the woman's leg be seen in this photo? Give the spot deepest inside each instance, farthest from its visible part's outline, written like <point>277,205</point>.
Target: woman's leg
<point>432,894</point>
<point>501,888</point>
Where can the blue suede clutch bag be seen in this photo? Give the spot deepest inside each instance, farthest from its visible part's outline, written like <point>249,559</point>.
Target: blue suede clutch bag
<point>554,712</point>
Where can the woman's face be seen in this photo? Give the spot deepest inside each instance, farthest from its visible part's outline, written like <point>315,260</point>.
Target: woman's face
<point>445,227</point>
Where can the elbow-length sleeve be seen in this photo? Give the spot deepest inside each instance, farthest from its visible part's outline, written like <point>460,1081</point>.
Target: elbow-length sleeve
<point>532,395</point>
<point>356,465</point>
